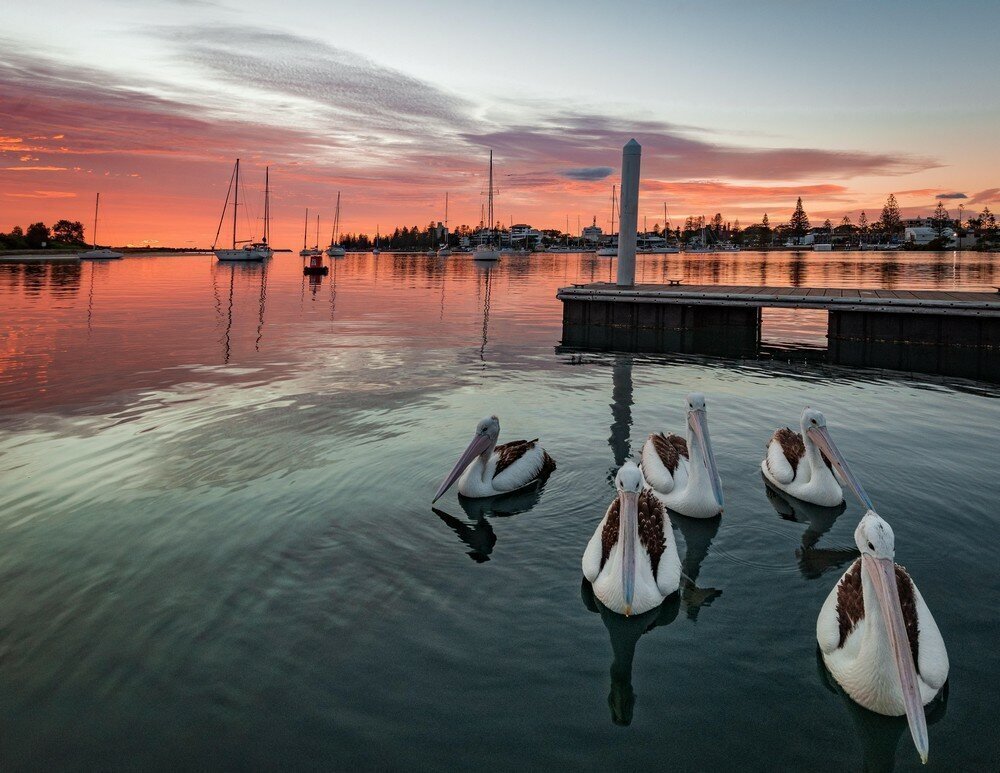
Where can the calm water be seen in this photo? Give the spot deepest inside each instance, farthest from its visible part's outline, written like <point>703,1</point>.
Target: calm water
<point>218,548</point>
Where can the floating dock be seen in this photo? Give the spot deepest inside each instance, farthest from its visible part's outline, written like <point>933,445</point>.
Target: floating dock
<point>935,331</point>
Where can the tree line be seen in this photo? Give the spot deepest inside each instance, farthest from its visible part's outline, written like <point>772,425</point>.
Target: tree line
<point>65,233</point>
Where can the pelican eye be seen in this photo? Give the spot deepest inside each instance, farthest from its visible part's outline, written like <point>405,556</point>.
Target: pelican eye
<point>871,546</point>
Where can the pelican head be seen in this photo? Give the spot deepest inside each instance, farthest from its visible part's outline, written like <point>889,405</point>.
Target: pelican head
<point>629,483</point>
<point>487,431</point>
<point>698,422</point>
<point>814,428</point>
<point>875,541</point>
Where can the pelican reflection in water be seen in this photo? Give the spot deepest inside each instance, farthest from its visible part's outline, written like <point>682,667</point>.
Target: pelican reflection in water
<point>624,633</point>
<point>813,561</point>
<point>477,532</point>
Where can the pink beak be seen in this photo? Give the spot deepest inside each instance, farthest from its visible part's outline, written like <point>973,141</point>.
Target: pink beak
<point>478,445</point>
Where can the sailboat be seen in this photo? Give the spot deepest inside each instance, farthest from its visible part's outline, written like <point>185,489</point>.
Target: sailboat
<point>376,250</point>
<point>308,252</point>
<point>704,248</point>
<point>335,250</point>
<point>659,249</point>
<point>445,250</point>
<point>611,251</point>
<point>95,253</point>
<point>250,250</point>
<point>487,249</point>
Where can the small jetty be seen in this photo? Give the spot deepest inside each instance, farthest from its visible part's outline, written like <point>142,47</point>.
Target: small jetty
<point>928,331</point>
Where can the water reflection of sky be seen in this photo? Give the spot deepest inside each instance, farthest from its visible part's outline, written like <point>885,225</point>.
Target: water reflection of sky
<point>235,564</point>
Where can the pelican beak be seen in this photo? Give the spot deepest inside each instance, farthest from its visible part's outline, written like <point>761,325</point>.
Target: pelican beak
<point>821,437</point>
<point>479,444</point>
<point>628,531</point>
<point>698,420</point>
<point>882,573</point>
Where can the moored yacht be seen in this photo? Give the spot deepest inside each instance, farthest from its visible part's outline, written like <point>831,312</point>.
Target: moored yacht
<point>487,249</point>
<point>250,250</point>
<point>102,253</point>
<point>335,250</point>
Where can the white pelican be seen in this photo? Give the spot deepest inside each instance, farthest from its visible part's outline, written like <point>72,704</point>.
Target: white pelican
<point>683,473</point>
<point>803,465</point>
<point>632,558</point>
<point>488,470</point>
<point>877,636</point>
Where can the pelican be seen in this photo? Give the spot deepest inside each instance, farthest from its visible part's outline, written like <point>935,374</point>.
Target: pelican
<point>632,558</point>
<point>809,466</point>
<point>683,473</point>
<point>877,636</point>
<point>488,470</point>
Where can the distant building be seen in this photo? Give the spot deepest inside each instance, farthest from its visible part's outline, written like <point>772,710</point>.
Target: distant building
<point>522,232</point>
<point>924,234</point>
<point>593,234</point>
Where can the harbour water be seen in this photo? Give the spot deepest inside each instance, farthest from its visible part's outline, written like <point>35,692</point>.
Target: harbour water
<point>218,548</point>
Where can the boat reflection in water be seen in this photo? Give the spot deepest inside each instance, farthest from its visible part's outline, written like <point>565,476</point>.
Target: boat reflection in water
<point>813,562</point>
<point>246,270</point>
<point>477,532</point>
<point>878,734</point>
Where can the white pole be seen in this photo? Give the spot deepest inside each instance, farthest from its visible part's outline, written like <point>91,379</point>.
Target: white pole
<point>628,213</point>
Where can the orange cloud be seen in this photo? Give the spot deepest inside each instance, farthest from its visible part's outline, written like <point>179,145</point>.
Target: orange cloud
<point>33,168</point>
<point>43,195</point>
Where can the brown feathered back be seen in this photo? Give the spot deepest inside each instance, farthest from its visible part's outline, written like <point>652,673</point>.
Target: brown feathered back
<point>851,606</point>
<point>670,448</point>
<point>651,519</point>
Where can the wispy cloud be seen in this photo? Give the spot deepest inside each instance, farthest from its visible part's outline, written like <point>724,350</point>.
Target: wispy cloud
<point>42,195</point>
<point>951,196</point>
<point>986,196</point>
<point>33,168</point>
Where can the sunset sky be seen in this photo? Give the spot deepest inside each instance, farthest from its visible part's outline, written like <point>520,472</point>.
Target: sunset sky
<point>740,108</point>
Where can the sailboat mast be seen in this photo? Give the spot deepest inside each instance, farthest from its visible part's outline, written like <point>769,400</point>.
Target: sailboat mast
<point>489,199</point>
<point>317,232</point>
<point>97,206</point>
<point>614,193</point>
<point>336,221</point>
<point>305,230</point>
<point>236,201</point>
<point>267,202</point>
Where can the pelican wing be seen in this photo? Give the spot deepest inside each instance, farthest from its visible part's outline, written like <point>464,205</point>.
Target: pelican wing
<point>843,609</point>
<point>930,656</point>
<point>784,453</point>
<point>657,538</point>
<point>661,457</point>
<point>519,463</point>
<point>597,551</point>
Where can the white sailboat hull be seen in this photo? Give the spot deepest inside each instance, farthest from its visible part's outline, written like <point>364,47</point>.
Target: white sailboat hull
<point>608,252</point>
<point>485,253</point>
<point>102,254</point>
<point>336,252</point>
<point>246,253</point>
<point>308,253</point>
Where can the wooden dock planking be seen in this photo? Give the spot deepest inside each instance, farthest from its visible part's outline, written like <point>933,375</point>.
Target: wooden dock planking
<point>940,302</point>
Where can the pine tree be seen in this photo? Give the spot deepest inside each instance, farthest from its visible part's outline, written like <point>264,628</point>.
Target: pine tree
<point>863,222</point>
<point>939,219</point>
<point>800,221</point>
<point>890,219</point>
<point>988,222</point>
